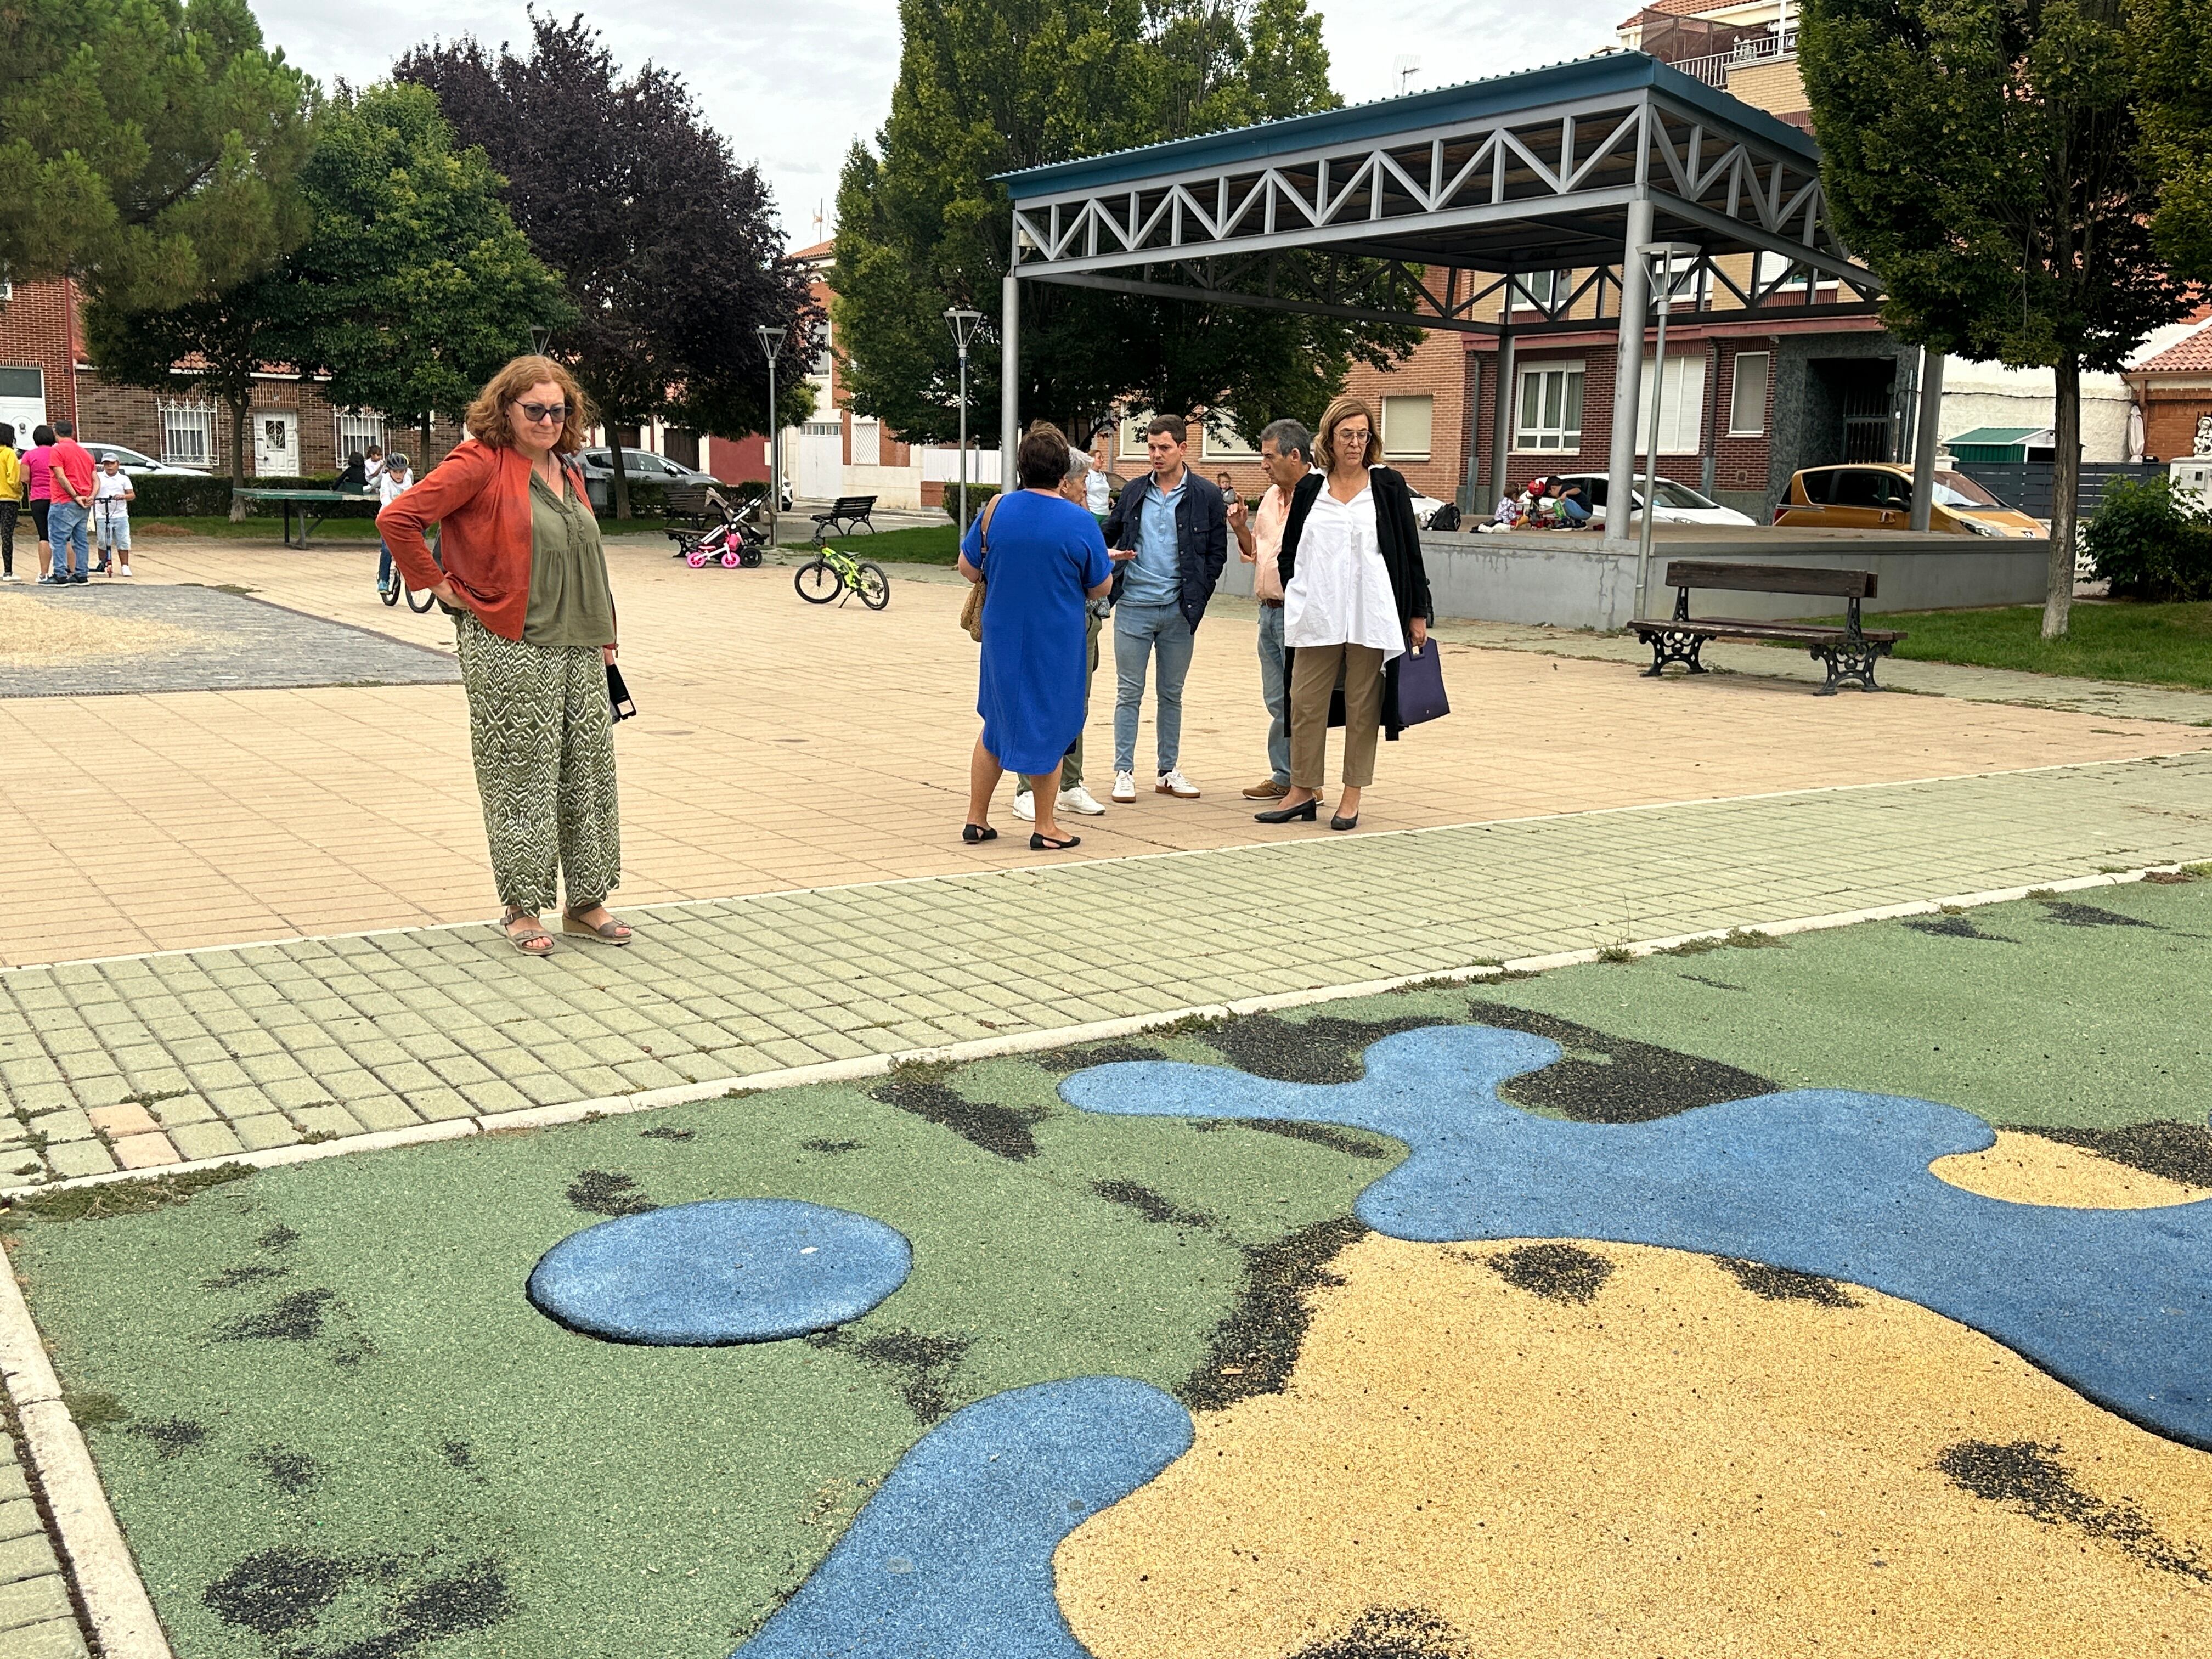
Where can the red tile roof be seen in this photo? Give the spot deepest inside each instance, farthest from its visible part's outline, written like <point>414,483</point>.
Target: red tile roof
<point>2190,356</point>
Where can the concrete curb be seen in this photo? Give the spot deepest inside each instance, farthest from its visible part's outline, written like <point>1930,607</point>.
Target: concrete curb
<point>123,1618</point>
<point>107,1576</point>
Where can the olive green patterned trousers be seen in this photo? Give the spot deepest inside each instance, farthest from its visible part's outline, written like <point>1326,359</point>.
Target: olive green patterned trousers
<point>543,735</point>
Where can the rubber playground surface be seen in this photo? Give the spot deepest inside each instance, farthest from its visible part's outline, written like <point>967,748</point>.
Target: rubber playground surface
<point>1850,1294</point>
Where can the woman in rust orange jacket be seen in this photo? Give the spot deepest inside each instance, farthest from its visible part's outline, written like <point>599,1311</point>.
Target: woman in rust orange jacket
<point>526,582</point>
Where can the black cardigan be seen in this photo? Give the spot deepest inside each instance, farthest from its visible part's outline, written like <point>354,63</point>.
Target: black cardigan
<point>1397,532</point>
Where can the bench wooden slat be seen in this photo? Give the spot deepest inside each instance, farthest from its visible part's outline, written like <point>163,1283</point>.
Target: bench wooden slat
<point>1771,579</point>
<point>1746,627</point>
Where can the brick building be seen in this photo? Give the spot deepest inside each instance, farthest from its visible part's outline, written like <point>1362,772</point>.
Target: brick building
<point>2173,390</point>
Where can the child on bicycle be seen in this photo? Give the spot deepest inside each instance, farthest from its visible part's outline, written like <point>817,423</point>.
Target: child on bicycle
<point>390,483</point>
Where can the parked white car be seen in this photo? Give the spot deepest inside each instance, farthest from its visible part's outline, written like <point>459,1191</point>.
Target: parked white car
<point>1678,502</point>
<point>139,465</point>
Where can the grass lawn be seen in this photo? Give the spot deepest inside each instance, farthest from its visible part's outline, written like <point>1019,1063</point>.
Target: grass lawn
<point>271,527</point>
<point>931,544</point>
<point>2152,644</point>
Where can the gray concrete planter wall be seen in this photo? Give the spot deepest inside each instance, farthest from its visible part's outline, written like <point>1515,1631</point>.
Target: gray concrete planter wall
<point>1577,579</point>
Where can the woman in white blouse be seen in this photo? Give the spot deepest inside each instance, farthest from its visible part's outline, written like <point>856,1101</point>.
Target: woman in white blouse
<point>1355,599</point>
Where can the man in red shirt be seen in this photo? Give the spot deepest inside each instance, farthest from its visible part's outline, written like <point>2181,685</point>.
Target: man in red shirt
<point>69,522</point>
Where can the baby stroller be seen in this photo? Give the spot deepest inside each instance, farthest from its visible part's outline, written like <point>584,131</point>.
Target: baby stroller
<point>734,543</point>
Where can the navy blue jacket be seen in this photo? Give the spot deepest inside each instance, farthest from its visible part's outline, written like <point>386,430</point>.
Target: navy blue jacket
<point>1201,537</point>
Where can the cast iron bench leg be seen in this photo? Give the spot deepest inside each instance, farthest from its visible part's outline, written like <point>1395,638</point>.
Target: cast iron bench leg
<point>1850,659</point>
<point>1674,645</point>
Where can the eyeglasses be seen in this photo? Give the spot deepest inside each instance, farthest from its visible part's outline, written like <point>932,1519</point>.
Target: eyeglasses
<point>538,414</point>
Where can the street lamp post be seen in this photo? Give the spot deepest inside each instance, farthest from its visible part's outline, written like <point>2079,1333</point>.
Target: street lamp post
<point>771,341</point>
<point>963,322</point>
<point>1662,257</point>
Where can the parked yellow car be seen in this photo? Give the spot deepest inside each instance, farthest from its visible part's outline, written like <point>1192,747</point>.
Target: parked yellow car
<point>1875,496</point>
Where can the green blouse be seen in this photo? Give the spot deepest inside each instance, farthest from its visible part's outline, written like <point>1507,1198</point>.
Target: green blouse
<point>569,603</point>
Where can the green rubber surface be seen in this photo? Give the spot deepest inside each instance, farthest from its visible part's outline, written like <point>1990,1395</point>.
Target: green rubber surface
<point>349,1435</point>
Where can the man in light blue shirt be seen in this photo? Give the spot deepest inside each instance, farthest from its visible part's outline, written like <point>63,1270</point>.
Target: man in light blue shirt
<point>1169,534</point>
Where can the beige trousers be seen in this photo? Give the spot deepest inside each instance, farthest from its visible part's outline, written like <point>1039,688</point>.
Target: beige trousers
<point>1313,678</point>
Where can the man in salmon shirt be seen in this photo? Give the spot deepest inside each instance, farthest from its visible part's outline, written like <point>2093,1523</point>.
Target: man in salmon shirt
<point>69,520</point>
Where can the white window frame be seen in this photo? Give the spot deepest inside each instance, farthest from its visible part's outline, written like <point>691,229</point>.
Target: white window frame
<point>358,429</point>
<point>1217,442</point>
<point>1129,437</point>
<point>1529,440</point>
<point>1393,451</point>
<point>1736,389</point>
<point>1543,288</point>
<point>181,415</point>
<point>1682,418</point>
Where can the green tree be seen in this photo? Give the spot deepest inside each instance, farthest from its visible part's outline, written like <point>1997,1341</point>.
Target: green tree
<point>146,146</point>
<point>1985,158</point>
<point>412,288</point>
<point>415,285</point>
<point>2172,41</point>
<point>987,88</point>
<point>670,250</point>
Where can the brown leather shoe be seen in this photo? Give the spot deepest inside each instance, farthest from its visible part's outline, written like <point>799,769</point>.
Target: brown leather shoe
<point>1267,789</point>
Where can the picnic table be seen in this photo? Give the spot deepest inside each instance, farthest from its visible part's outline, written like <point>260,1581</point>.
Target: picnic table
<point>313,506</point>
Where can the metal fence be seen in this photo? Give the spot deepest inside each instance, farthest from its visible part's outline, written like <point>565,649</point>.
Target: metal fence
<point>2026,485</point>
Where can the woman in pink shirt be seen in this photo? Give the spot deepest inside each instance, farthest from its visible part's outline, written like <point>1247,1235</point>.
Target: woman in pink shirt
<point>39,473</point>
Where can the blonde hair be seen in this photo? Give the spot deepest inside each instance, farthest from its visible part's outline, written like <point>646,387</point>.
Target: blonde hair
<point>1325,440</point>
<point>487,418</point>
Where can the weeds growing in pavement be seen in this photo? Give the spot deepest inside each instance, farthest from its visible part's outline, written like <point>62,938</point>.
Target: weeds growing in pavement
<point>114,1198</point>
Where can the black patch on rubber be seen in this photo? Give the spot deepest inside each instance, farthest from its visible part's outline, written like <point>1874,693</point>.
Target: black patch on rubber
<point>1254,1348</point>
<point>459,1454</point>
<point>1002,1130</point>
<point>1149,1204</point>
<point>2030,1478</point>
<point>234,1278</point>
<point>832,1146</point>
<point>2068,913</point>
<point>1393,1633</point>
<point>924,1364</point>
<point>173,1436</point>
<point>666,1134</point>
<point>292,1472</point>
<point>1557,1273</point>
<point>1634,1083</point>
<point>1956,927</point>
<point>474,1598</point>
<point>278,1238</point>
<point>1085,1055</point>
<point>296,1318</point>
<point>1716,984</point>
<point>1773,1284</point>
<point>1324,1050</point>
<point>1319,1135</point>
<point>2180,1152</point>
<point>597,1192</point>
<point>279,1590</point>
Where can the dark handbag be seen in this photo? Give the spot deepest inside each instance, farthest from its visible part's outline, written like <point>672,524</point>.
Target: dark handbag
<point>1416,692</point>
<point>618,693</point>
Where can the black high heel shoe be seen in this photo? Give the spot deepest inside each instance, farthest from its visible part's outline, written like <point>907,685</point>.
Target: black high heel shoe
<point>1336,823</point>
<point>1304,812</point>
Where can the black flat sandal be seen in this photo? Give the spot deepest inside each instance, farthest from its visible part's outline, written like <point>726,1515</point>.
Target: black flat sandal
<point>976,834</point>
<point>1044,844</point>
<point>1336,823</point>
<point>1304,812</point>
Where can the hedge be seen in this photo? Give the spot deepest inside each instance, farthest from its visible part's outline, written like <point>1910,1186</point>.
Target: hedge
<point>185,496</point>
<point>2150,544</point>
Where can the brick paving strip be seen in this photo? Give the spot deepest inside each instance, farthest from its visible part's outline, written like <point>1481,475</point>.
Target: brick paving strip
<point>141,1062</point>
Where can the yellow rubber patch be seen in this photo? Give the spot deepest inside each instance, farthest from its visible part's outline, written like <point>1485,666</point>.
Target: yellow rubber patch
<point>1578,1449</point>
<point>2027,1168</point>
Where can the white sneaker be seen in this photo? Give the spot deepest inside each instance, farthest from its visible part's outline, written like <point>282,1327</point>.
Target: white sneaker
<point>125,571</point>
<point>1125,787</point>
<point>1025,807</point>
<point>10,577</point>
<point>1173,783</point>
<point>1080,801</point>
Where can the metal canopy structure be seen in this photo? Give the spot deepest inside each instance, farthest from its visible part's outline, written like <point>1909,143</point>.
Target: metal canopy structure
<point>1436,209</point>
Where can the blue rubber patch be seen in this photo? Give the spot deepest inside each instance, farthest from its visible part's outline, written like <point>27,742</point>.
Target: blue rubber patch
<point>2116,1303</point>
<point>731,1270</point>
<point>953,1556</point>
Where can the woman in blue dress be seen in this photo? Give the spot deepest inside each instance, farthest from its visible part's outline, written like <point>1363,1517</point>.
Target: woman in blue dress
<point>1041,558</point>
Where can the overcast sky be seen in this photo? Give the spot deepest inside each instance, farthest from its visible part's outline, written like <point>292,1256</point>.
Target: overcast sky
<point>793,85</point>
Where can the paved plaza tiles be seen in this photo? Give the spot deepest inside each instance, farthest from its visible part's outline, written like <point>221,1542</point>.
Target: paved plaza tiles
<point>199,1054</point>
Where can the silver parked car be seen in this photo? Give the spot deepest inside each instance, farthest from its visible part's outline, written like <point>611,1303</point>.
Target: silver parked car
<point>139,465</point>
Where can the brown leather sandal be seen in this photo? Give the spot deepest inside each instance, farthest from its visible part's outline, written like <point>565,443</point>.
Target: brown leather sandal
<point>533,940</point>
<point>610,931</point>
